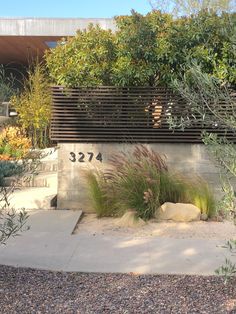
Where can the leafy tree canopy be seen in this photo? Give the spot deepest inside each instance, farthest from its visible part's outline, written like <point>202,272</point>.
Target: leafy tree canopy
<point>85,59</point>
<point>147,50</point>
<point>190,7</point>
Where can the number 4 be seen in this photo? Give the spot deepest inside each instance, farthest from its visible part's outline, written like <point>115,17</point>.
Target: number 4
<point>99,157</point>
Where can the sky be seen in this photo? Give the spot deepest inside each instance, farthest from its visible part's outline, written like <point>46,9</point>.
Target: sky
<point>71,8</point>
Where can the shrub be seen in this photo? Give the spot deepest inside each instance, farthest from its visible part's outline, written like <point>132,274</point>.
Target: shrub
<point>141,182</point>
<point>13,143</point>
<point>228,270</point>
<point>171,188</point>
<point>135,179</point>
<point>133,182</point>
<point>13,222</point>
<point>201,196</point>
<point>34,106</point>
<point>8,169</point>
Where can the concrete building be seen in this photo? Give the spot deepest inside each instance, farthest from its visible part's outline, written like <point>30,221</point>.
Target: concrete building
<point>23,39</point>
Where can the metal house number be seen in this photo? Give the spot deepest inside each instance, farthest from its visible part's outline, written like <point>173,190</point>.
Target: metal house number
<point>81,157</point>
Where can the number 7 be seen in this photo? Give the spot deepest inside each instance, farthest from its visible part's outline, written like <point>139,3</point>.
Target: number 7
<point>90,156</point>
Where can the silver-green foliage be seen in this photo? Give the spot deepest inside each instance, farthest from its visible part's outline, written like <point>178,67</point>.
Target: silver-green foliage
<point>206,97</point>
<point>229,268</point>
<point>212,102</point>
<point>13,222</point>
<point>224,153</point>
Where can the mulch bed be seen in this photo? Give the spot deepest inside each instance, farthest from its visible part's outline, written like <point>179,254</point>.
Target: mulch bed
<point>24,290</point>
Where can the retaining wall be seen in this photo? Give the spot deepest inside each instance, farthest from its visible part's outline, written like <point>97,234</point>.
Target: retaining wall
<point>75,158</point>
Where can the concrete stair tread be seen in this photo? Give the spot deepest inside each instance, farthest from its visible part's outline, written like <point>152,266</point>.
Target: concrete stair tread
<point>33,198</point>
<point>53,221</point>
<point>43,173</point>
<point>48,166</point>
<point>42,179</point>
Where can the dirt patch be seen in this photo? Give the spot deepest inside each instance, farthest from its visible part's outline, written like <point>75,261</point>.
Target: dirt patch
<point>90,224</point>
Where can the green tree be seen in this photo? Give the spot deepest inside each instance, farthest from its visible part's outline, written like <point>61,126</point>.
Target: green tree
<point>146,50</point>
<point>33,105</point>
<point>137,60</point>
<point>6,84</point>
<point>189,7</point>
<point>205,38</point>
<point>156,48</point>
<point>83,60</point>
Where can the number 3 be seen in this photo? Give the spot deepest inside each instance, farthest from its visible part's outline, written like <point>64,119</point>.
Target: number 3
<point>82,156</point>
<point>73,157</point>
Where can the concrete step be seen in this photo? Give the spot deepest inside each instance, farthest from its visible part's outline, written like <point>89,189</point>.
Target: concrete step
<point>42,179</point>
<point>49,154</point>
<point>46,175</point>
<point>47,166</point>
<point>33,198</point>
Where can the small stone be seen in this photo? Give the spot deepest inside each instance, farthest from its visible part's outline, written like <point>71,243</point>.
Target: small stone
<point>130,220</point>
<point>204,217</point>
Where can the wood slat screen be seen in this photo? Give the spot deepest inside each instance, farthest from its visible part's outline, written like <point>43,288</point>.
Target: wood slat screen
<point>115,114</point>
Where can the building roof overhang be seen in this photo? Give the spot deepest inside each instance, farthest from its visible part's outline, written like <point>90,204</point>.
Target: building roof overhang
<point>24,39</point>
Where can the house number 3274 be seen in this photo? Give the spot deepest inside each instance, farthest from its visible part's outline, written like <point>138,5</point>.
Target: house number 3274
<point>81,157</point>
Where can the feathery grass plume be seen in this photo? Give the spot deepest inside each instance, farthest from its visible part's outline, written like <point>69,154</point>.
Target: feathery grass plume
<point>135,179</point>
<point>172,188</point>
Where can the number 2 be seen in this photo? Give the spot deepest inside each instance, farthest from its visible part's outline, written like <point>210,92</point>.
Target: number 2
<point>81,158</point>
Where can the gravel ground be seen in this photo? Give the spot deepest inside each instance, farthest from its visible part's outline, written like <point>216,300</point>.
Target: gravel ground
<point>37,291</point>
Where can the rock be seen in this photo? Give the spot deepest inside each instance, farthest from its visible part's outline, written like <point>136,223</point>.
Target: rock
<point>204,217</point>
<point>130,220</point>
<point>217,219</point>
<point>178,212</point>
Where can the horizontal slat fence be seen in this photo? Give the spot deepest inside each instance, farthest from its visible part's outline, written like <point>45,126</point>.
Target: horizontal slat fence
<point>121,114</point>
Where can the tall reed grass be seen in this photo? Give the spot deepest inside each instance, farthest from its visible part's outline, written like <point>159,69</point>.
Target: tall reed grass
<point>142,182</point>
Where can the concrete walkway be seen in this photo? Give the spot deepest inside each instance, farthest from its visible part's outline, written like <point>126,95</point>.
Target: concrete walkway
<point>49,244</point>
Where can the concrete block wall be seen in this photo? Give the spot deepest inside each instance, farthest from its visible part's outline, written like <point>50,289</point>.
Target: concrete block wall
<point>74,160</point>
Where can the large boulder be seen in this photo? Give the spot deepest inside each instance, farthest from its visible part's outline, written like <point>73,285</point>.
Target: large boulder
<point>178,212</point>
